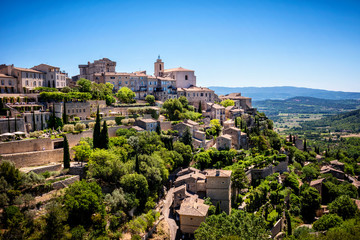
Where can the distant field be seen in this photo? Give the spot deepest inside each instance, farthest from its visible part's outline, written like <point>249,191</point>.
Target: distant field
<point>287,121</point>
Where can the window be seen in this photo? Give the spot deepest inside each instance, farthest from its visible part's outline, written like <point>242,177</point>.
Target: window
<point>119,82</point>
<point>160,67</point>
<point>69,111</point>
<point>27,83</point>
<point>2,82</point>
<point>112,77</point>
<point>126,82</point>
<point>84,109</point>
<point>201,94</point>
<point>10,83</point>
<point>186,77</point>
<point>34,84</point>
<point>27,75</point>
<point>150,88</point>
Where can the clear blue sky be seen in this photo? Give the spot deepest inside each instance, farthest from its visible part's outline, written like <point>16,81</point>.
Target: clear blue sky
<point>305,43</point>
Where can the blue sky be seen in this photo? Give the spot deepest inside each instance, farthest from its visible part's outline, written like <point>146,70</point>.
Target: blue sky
<point>304,43</point>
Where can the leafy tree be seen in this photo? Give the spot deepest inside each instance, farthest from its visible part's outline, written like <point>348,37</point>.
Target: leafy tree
<point>343,206</point>
<point>327,221</point>
<point>137,184</point>
<point>227,103</point>
<point>184,101</point>
<point>125,95</point>
<point>109,100</point>
<point>84,85</point>
<point>185,151</point>
<point>82,200</point>
<point>150,99</point>
<point>104,137</point>
<point>54,218</point>
<point>82,151</point>
<point>187,137</point>
<point>202,160</point>
<point>309,173</point>
<point>310,202</point>
<point>215,128</point>
<point>173,108</point>
<point>239,179</point>
<point>239,223</point>
<point>96,133</point>
<point>66,153</point>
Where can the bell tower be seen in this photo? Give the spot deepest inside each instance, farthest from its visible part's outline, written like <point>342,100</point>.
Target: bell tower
<point>159,67</point>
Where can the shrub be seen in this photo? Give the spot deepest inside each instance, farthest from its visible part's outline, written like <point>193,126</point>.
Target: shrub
<point>327,221</point>
<point>119,119</point>
<point>91,124</point>
<point>76,119</point>
<point>36,134</point>
<point>110,122</point>
<point>80,127</point>
<point>68,128</point>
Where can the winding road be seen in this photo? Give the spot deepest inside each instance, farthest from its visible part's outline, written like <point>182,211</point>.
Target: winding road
<point>168,215</point>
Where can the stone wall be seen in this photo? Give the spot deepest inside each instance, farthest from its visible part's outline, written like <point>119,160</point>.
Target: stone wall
<point>165,125</point>
<point>28,145</point>
<point>277,228</point>
<point>66,182</point>
<point>30,159</point>
<point>4,125</point>
<point>188,224</point>
<point>49,168</point>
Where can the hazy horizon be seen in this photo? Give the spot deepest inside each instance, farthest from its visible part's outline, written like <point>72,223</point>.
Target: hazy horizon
<point>236,43</point>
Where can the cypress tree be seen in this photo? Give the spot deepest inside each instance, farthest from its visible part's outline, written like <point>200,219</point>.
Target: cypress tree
<point>158,129</point>
<point>34,125</point>
<point>290,138</point>
<point>104,137</point>
<point>65,118</point>
<point>305,147</point>
<point>288,223</point>
<point>66,153</point>
<point>137,164</point>
<point>200,108</point>
<point>9,124</point>
<point>96,133</point>
<point>42,121</point>
<point>218,209</point>
<point>15,124</point>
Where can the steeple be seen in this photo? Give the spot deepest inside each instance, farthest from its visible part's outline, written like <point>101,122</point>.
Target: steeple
<point>158,67</point>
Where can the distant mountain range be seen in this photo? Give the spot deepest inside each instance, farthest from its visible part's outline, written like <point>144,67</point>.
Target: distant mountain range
<point>281,93</point>
<point>306,105</point>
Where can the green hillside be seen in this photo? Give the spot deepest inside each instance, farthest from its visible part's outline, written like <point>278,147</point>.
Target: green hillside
<point>306,105</point>
<point>349,121</point>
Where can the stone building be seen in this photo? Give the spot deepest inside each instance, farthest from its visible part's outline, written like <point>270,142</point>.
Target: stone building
<point>103,65</point>
<point>26,79</point>
<point>8,84</point>
<point>192,213</point>
<point>238,138</point>
<point>218,188</point>
<point>224,142</point>
<point>196,95</point>
<point>54,77</point>
<point>215,111</point>
<point>240,101</point>
<point>147,124</point>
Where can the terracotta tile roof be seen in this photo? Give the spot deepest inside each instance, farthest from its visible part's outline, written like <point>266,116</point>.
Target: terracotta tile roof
<point>217,106</point>
<point>5,76</point>
<point>336,162</point>
<point>316,182</point>
<point>46,65</point>
<point>187,170</point>
<point>236,96</point>
<point>218,173</point>
<point>193,206</point>
<point>148,120</point>
<point>27,70</point>
<point>196,175</point>
<point>235,129</point>
<point>179,69</point>
<point>325,169</point>
<point>195,89</point>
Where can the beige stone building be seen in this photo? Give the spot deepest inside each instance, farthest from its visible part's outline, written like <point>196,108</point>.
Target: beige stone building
<point>224,142</point>
<point>240,101</point>
<point>54,77</point>
<point>8,84</point>
<point>191,185</point>
<point>192,213</point>
<point>196,95</point>
<point>103,65</point>
<point>26,79</point>
<point>147,124</point>
<point>238,138</point>
<point>215,111</point>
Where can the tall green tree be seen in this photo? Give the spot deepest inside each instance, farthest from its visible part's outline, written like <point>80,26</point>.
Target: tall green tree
<point>310,202</point>
<point>200,108</point>
<point>65,118</point>
<point>288,223</point>
<point>34,123</point>
<point>104,137</point>
<point>15,124</point>
<point>187,137</point>
<point>305,147</point>
<point>42,121</point>
<point>66,153</point>
<point>96,133</point>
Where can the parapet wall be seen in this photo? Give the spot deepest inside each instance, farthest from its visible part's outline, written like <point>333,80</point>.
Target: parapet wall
<point>28,145</point>
<point>31,159</point>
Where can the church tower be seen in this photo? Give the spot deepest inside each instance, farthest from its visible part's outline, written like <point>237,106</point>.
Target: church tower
<point>159,67</point>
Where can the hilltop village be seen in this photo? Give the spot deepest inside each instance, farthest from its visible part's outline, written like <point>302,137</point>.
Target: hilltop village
<point>115,155</point>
